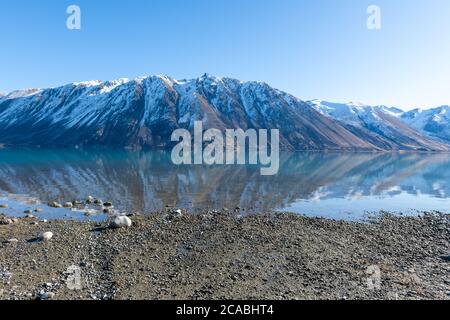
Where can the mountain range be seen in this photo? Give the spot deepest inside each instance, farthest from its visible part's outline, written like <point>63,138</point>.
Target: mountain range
<point>143,113</point>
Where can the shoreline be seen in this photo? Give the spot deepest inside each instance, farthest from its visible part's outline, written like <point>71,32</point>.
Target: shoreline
<point>215,255</point>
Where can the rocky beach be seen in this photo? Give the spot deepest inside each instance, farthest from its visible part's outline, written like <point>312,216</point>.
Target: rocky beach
<point>172,254</point>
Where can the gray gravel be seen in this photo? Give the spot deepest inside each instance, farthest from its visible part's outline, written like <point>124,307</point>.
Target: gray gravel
<point>168,255</point>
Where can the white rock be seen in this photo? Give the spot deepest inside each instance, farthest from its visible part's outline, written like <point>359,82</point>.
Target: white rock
<point>121,222</point>
<point>46,236</point>
<point>13,240</point>
<point>54,204</point>
<point>68,205</point>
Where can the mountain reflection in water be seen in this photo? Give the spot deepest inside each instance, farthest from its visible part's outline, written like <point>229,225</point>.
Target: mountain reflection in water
<point>320,184</point>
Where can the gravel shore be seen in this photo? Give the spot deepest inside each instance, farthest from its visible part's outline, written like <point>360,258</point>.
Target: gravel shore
<point>168,255</point>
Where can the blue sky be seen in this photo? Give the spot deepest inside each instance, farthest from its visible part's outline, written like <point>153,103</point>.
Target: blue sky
<point>312,49</point>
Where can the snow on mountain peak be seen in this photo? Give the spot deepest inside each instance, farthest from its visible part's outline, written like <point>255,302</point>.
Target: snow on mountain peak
<point>111,85</point>
<point>23,93</point>
<point>87,84</point>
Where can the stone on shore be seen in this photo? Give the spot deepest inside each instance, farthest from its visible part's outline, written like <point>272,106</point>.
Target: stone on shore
<point>6,221</point>
<point>54,204</point>
<point>47,296</point>
<point>46,236</point>
<point>121,222</point>
<point>68,205</point>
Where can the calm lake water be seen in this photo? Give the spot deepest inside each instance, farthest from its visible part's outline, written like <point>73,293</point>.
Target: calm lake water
<point>339,186</point>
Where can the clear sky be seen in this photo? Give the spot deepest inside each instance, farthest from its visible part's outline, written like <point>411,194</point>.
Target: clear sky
<point>312,49</point>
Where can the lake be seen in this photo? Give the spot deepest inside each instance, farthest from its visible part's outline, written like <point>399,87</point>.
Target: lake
<point>339,186</point>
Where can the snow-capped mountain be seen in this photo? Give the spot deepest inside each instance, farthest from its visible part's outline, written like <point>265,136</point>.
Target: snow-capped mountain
<point>380,125</point>
<point>434,123</point>
<point>143,112</point>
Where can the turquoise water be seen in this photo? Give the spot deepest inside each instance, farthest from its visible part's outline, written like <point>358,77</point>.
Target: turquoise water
<point>340,186</point>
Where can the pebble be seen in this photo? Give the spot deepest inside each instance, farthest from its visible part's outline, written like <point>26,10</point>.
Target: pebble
<point>6,221</point>
<point>13,240</point>
<point>68,205</point>
<point>28,211</point>
<point>89,200</point>
<point>46,236</point>
<point>107,204</point>
<point>4,206</point>
<point>47,296</point>
<point>54,204</point>
<point>98,202</point>
<point>121,222</point>
<point>38,210</point>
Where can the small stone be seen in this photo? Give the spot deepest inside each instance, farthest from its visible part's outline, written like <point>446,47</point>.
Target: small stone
<point>89,212</point>
<point>47,296</point>
<point>121,222</point>
<point>46,236</point>
<point>177,213</point>
<point>13,240</point>
<point>34,223</point>
<point>89,200</point>
<point>4,206</point>
<point>6,221</point>
<point>38,210</point>
<point>29,216</point>
<point>28,212</point>
<point>98,202</point>
<point>107,204</point>
<point>54,204</point>
<point>68,205</point>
